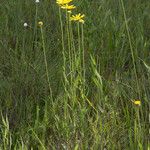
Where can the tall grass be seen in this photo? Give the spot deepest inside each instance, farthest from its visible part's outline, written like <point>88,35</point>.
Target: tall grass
<point>68,85</point>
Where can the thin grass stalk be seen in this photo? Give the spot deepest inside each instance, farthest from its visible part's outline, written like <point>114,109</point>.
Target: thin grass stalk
<point>73,48</point>
<point>79,49</point>
<point>83,55</point>
<point>38,139</point>
<point>37,116</point>
<point>131,47</point>
<point>69,45</point>
<point>23,46</point>
<point>5,133</point>
<point>35,28</point>
<point>74,60</point>
<point>63,46</point>
<point>139,130</point>
<point>64,66</point>
<point>45,60</point>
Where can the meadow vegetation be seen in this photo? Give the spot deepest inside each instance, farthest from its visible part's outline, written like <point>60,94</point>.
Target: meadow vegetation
<point>74,77</point>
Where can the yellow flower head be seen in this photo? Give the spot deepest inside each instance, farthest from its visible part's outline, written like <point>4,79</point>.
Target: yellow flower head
<point>63,2</point>
<point>68,7</point>
<point>137,102</point>
<point>78,18</point>
<point>40,23</point>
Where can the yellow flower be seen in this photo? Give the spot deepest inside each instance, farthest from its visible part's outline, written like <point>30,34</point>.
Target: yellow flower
<point>78,18</point>
<point>63,2</point>
<point>137,102</point>
<point>68,7</point>
<point>40,23</point>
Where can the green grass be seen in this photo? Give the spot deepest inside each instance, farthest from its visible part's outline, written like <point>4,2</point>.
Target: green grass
<point>76,96</point>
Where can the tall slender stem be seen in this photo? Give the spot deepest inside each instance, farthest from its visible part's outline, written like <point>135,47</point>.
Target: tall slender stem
<point>83,54</point>
<point>62,42</point>
<point>131,48</point>
<point>79,48</point>
<point>69,43</point>
<point>35,30</point>
<point>45,60</point>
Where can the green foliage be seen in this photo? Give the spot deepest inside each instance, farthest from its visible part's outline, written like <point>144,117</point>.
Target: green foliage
<point>95,76</point>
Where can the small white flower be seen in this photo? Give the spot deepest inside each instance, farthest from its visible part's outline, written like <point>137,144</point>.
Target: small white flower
<point>37,1</point>
<point>25,24</point>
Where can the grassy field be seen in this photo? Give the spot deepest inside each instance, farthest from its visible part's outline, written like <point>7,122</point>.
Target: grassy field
<point>74,85</point>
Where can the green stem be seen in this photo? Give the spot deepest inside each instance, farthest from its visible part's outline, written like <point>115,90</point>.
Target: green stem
<point>79,49</point>
<point>83,54</point>
<point>45,60</point>
<point>131,48</point>
<point>64,64</point>
<point>23,50</point>
<point>63,45</point>
<point>69,44</point>
<point>74,53</point>
<point>35,30</point>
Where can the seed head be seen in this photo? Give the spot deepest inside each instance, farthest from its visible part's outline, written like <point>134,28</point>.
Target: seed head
<point>40,23</point>
<point>37,1</point>
<point>25,24</point>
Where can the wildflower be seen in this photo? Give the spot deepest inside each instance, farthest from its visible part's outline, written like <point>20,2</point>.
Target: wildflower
<point>77,17</point>
<point>25,24</point>
<point>40,23</point>
<point>37,1</point>
<point>68,7</point>
<point>63,2</point>
<point>137,102</point>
